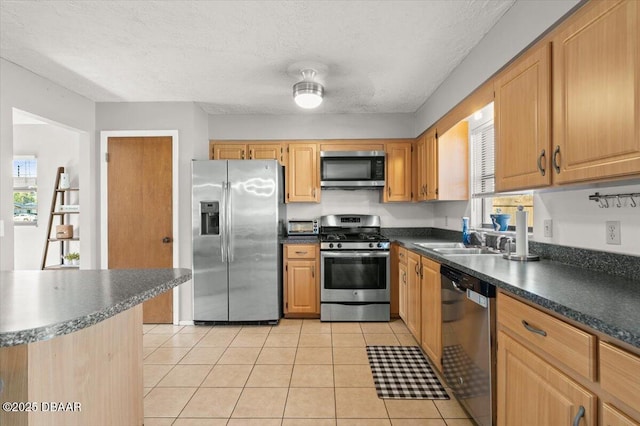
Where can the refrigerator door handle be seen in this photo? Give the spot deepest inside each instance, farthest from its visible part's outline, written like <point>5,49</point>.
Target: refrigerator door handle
<point>229,223</point>
<point>223,232</point>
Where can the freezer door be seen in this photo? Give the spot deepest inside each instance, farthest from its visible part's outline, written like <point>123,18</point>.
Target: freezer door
<point>210,272</point>
<point>254,268</point>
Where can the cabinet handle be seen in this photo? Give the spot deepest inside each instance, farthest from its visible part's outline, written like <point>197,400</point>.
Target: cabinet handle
<point>389,188</point>
<point>556,165</point>
<point>542,155</point>
<point>313,193</point>
<point>416,268</point>
<point>579,415</point>
<point>421,271</point>
<point>242,155</point>
<point>301,252</point>
<point>404,277</point>
<point>250,154</point>
<point>313,272</point>
<point>533,329</point>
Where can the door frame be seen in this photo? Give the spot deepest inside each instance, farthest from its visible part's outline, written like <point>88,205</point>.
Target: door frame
<point>104,233</point>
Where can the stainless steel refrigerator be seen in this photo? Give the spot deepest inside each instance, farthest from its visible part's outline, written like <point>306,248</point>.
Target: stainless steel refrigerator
<point>237,218</point>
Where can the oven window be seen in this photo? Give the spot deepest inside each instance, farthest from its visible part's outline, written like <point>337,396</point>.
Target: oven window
<point>355,273</point>
<point>346,169</point>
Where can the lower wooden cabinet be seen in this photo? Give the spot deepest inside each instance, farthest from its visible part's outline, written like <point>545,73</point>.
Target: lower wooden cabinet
<point>414,300</point>
<point>301,280</point>
<point>532,392</point>
<point>431,312</point>
<point>614,417</point>
<point>402,283</point>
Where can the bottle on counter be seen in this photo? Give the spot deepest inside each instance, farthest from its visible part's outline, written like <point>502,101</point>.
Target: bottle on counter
<point>465,230</point>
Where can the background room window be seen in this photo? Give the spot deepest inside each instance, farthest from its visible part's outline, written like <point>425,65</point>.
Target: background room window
<point>484,200</point>
<point>25,190</point>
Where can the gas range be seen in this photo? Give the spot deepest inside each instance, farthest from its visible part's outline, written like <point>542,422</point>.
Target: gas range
<point>351,232</point>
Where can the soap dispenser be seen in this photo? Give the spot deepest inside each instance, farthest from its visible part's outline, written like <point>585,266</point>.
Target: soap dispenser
<point>465,230</point>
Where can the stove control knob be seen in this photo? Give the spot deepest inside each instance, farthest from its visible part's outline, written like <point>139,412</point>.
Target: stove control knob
<point>370,244</point>
<point>379,244</point>
<point>339,245</point>
<point>330,245</point>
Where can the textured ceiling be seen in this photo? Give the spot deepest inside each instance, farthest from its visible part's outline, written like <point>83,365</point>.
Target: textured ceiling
<point>239,57</point>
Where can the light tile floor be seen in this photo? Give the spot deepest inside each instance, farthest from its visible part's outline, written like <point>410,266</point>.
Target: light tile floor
<point>298,373</point>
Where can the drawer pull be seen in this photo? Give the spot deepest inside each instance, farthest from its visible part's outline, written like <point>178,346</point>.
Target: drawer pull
<point>533,329</point>
<point>579,415</point>
<point>301,252</point>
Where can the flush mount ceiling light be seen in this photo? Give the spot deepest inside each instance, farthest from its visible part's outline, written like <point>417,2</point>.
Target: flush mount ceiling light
<point>307,93</point>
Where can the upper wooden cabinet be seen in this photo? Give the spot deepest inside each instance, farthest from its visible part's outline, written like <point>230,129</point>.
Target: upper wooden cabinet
<point>303,178</point>
<point>522,122</point>
<point>398,172</point>
<point>246,151</point>
<point>596,93</point>
<point>442,164</point>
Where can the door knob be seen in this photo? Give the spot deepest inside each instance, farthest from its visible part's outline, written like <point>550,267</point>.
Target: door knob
<point>166,240</point>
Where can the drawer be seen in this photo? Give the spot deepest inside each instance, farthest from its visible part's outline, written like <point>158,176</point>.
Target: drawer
<point>300,251</point>
<point>612,417</point>
<point>569,345</point>
<point>402,255</point>
<point>620,374</point>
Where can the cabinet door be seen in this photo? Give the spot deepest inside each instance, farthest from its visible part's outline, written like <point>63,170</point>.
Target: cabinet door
<point>413,295</point>
<point>394,278</point>
<point>452,164</point>
<point>431,311</point>
<point>303,182</point>
<point>231,151</point>
<point>431,165</point>
<point>398,164</point>
<point>612,417</point>
<point>421,168</point>
<point>266,151</point>
<point>522,122</point>
<point>402,291</point>
<point>532,392</point>
<point>596,93</point>
<point>302,291</point>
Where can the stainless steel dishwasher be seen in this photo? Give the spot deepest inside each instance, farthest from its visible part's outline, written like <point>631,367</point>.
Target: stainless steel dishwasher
<point>468,343</point>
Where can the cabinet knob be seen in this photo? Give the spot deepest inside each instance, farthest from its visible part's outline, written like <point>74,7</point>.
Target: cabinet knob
<point>166,240</point>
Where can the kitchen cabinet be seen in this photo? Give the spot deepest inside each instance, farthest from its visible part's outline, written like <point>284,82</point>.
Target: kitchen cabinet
<point>303,177</point>
<point>398,172</point>
<point>394,278</point>
<point>414,300</point>
<point>596,93</point>
<point>402,280</point>
<point>247,151</point>
<point>532,391</point>
<point>613,417</point>
<point>431,308</point>
<point>420,168</point>
<point>522,121</point>
<point>426,172</point>
<point>620,378</point>
<point>301,280</point>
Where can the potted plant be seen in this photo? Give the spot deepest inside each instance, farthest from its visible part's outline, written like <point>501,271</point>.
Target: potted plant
<point>72,258</point>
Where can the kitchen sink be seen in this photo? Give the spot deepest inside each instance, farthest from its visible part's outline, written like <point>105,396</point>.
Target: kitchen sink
<point>465,250</point>
<point>440,245</point>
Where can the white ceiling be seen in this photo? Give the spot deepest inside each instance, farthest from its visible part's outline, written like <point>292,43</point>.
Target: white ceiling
<point>243,57</point>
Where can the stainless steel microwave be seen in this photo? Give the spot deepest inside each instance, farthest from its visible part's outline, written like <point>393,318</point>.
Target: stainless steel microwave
<point>352,169</point>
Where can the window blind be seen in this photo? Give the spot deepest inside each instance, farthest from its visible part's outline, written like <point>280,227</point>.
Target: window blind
<point>483,158</point>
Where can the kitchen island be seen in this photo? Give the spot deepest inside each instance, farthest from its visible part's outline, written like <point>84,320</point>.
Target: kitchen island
<point>71,344</point>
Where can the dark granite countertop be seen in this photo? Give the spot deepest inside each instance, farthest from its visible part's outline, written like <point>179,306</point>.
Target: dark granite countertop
<point>607,303</point>
<point>39,305</point>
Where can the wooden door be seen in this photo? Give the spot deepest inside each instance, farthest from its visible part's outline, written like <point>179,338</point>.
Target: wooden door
<point>395,283</point>
<point>522,122</point>
<point>413,295</point>
<point>402,291</point>
<point>302,290</point>
<point>266,151</point>
<point>303,181</point>
<point>230,151</point>
<point>398,165</point>
<point>420,188</point>
<point>532,392</point>
<point>139,175</point>
<point>431,311</point>
<point>431,165</point>
<point>596,93</point>
<point>613,417</point>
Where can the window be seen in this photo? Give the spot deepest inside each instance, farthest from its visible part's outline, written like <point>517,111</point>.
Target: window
<point>484,200</point>
<point>25,190</point>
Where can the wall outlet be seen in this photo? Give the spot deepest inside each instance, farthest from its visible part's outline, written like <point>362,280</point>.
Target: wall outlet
<point>548,228</point>
<point>613,232</point>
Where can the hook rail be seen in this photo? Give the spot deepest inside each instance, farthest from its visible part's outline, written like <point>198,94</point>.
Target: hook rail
<point>617,200</point>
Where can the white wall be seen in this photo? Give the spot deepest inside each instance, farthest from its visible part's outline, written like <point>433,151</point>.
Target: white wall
<point>26,91</point>
<point>311,126</point>
<point>53,147</point>
<point>521,25</point>
<point>191,123</point>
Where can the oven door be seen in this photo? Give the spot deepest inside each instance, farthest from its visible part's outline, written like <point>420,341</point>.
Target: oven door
<point>355,276</point>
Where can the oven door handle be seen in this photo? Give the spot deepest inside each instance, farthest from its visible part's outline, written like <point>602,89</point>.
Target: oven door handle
<point>354,254</point>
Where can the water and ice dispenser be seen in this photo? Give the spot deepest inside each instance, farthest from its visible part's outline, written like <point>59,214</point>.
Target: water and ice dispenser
<point>209,218</point>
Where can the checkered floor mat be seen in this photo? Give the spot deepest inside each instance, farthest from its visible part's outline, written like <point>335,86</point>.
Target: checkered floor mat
<point>402,372</point>
<point>457,365</point>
